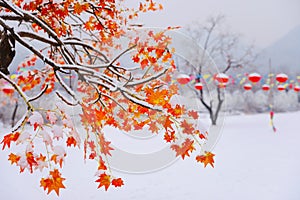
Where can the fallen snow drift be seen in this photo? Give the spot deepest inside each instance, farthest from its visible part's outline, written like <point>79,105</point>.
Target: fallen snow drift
<point>252,162</point>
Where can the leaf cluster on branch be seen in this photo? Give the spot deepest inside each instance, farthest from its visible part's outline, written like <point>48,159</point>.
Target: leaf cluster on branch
<point>73,46</point>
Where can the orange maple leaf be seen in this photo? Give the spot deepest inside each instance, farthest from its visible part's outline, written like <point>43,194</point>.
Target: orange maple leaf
<point>158,97</point>
<point>207,158</point>
<point>152,6</point>
<point>12,137</point>
<point>79,8</point>
<point>13,158</point>
<point>141,8</point>
<point>53,182</point>
<point>118,182</point>
<point>177,111</point>
<point>185,148</point>
<point>100,115</point>
<point>104,180</point>
<point>111,122</point>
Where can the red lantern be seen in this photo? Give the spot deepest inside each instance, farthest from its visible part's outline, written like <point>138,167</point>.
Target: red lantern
<point>183,78</point>
<point>247,86</point>
<point>254,77</point>
<point>297,88</point>
<point>265,87</point>
<point>281,78</point>
<point>222,78</point>
<point>280,88</point>
<point>198,86</point>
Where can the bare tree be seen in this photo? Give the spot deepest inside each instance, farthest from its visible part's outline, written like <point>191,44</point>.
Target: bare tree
<point>225,50</point>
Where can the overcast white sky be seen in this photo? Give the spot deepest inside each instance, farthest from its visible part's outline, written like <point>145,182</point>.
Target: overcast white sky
<point>262,21</point>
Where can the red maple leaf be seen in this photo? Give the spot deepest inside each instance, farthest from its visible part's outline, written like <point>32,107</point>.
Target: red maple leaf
<point>31,160</point>
<point>201,135</point>
<point>118,182</point>
<point>136,58</point>
<point>153,127</point>
<point>102,165</point>
<point>144,63</point>
<point>104,180</point>
<point>111,122</point>
<point>177,111</point>
<point>169,136</point>
<point>71,140</point>
<point>12,137</point>
<point>207,158</point>
<point>91,145</point>
<point>193,114</point>
<point>105,145</point>
<point>167,123</point>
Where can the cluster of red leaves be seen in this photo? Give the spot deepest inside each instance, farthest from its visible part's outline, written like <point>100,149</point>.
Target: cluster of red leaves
<point>106,180</point>
<point>184,149</point>
<point>207,158</point>
<point>154,50</point>
<point>146,105</point>
<point>105,17</point>
<point>31,61</point>
<point>29,80</point>
<point>150,5</point>
<point>126,115</point>
<point>44,128</point>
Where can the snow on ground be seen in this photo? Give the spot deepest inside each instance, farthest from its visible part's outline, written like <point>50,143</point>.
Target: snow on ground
<point>252,162</point>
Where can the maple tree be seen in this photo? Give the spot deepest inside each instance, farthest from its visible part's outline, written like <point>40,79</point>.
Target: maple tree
<point>76,49</point>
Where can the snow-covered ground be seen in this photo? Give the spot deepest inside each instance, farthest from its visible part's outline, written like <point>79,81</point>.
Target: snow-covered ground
<point>252,162</point>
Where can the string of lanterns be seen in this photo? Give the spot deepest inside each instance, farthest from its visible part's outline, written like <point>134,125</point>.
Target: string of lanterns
<point>248,81</point>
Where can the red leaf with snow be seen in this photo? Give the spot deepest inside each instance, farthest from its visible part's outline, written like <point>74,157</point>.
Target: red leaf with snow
<point>36,120</point>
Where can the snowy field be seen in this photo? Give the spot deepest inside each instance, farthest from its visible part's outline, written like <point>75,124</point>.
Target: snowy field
<point>251,163</point>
